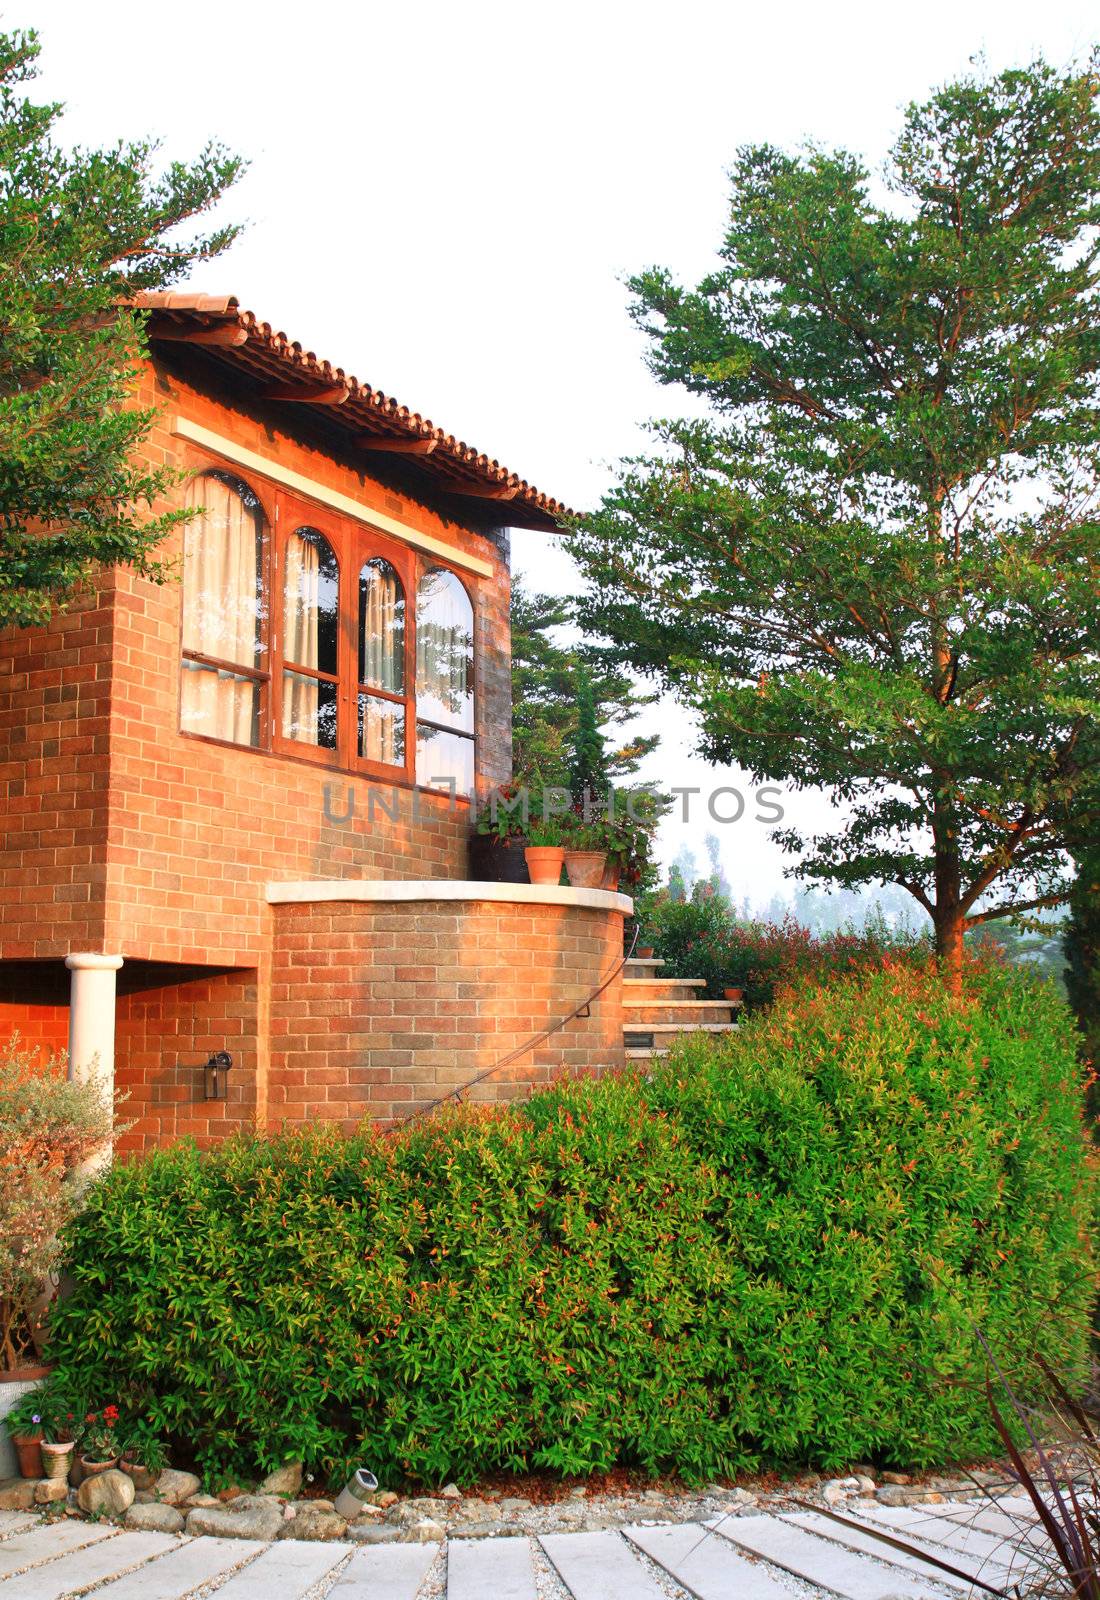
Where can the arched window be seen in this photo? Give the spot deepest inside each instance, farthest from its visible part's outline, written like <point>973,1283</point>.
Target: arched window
<point>444,682</point>
<point>381,664</point>
<point>223,611</point>
<point>311,632</point>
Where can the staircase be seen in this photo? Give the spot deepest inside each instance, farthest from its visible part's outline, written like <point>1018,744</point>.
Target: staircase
<point>658,1010</point>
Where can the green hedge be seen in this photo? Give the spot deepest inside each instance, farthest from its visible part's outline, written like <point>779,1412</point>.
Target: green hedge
<point>775,1252</point>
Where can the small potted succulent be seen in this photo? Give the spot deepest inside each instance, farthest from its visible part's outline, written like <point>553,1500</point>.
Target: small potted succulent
<point>143,1458</point>
<point>545,852</point>
<point>100,1444</point>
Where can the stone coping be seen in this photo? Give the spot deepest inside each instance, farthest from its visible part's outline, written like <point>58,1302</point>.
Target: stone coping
<point>397,891</point>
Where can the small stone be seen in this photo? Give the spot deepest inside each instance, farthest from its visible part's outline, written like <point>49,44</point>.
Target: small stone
<point>478,1511</point>
<point>154,1518</point>
<point>410,1512</point>
<point>173,1486</point>
<point>369,1513</point>
<point>232,1492</point>
<point>16,1494</point>
<point>314,1525</point>
<point>580,1493</point>
<point>372,1533</point>
<point>146,1497</point>
<point>739,1499</point>
<point>50,1490</point>
<point>450,1491</point>
<point>476,1530</point>
<point>108,1494</point>
<point>900,1479</point>
<point>284,1480</point>
<point>385,1498</point>
<point>426,1531</point>
<point>837,1489</point>
<point>512,1503</point>
<point>866,1483</point>
<point>196,1502</point>
<point>247,1517</point>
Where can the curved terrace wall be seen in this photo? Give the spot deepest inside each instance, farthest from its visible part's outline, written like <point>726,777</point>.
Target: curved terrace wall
<point>387,996</point>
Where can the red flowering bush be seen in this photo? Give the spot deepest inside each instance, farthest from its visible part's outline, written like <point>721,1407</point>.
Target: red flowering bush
<point>774,1252</point>
<point>702,938</point>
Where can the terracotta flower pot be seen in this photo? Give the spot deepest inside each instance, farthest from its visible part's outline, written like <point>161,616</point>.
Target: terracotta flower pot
<point>28,1449</point>
<point>584,868</point>
<point>92,1469</point>
<point>143,1476</point>
<point>644,952</point>
<point>56,1460</point>
<point>734,996</point>
<point>544,862</point>
<point>611,874</point>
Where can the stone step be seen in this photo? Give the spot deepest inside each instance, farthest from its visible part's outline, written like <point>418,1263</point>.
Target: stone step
<point>86,1567</point>
<point>854,1538</point>
<point>41,1543</point>
<point>819,1561</point>
<point>660,985</point>
<point>640,1013</point>
<point>190,1566</point>
<point>649,1036</point>
<point>385,1572</point>
<point>636,968</point>
<point>287,1570</point>
<point>633,1054</point>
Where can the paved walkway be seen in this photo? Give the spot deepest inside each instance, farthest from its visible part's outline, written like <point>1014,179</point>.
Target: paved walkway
<point>747,1557</point>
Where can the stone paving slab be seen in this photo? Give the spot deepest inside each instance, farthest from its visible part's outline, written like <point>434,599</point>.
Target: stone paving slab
<point>43,1544</point>
<point>737,1557</point>
<point>705,1565</point>
<point>498,1568</point>
<point>822,1563</point>
<point>82,1568</point>
<point>180,1571</point>
<point>15,1522</point>
<point>599,1566</point>
<point>386,1572</point>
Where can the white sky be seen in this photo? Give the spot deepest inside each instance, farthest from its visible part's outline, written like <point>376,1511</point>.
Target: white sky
<point>443,199</point>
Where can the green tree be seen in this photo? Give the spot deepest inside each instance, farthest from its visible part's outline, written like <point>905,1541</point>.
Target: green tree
<point>544,695</point>
<point>81,232</point>
<point>873,563</point>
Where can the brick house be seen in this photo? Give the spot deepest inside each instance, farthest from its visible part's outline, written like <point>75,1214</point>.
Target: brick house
<point>237,803</point>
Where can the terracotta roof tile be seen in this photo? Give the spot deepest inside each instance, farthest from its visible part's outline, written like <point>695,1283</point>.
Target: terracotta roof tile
<point>268,354</point>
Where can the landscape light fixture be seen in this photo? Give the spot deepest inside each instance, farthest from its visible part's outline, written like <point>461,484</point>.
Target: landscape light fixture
<point>216,1074</point>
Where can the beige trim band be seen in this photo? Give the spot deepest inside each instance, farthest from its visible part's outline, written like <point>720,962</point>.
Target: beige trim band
<point>184,428</point>
<point>392,891</point>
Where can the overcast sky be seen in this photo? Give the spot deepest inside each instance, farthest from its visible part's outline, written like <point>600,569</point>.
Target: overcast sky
<point>443,199</point>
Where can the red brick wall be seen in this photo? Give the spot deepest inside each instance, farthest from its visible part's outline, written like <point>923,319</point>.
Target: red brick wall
<point>378,1007</point>
<point>118,832</point>
<point>169,1021</point>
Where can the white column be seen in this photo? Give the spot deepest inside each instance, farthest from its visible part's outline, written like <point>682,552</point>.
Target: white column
<point>92,1018</point>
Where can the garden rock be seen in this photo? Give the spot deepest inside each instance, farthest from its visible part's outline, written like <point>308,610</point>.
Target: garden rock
<point>450,1491</point>
<point>108,1494</point>
<point>154,1518</point>
<point>426,1531</point>
<point>314,1525</point>
<point>838,1489</point>
<point>250,1516</point>
<point>901,1479</point>
<point>895,1495</point>
<point>173,1486</point>
<point>16,1494</point>
<point>284,1480</point>
<point>373,1533</point>
<point>200,1502</point>
<point>49,1491</point>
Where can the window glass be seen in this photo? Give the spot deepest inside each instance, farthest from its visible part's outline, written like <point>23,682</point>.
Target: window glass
<point>381,627</point>
<point>443,756</point>
<point>223,610</point>
<point>444,682</point>
<point>311,602</point>
<point>381,730</point>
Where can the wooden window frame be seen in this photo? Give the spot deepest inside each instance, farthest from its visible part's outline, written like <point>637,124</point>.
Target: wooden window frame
<point>353,544</point>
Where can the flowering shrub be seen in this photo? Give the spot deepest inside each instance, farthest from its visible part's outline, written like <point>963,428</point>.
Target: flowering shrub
<point>774,1252</point>
<point>702,938</point>
<point>47,1127</point>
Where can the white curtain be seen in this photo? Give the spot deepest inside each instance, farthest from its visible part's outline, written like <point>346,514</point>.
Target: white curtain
<point>381,663</point>
<point>302,591</point>
<point>221,610</point>
<point>444,651</point>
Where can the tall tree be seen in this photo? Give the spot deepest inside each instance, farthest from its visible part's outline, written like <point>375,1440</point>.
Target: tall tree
<point>544,694</point>
<point>873,564</point>
<point>81,232</point>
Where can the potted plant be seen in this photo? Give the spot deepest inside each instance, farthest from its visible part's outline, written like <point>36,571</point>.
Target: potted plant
<point>48,1128</point>
<point>545,853</point>
<point>43,1427</point>
<point>143,1457</point>
<point>100,1442</point>
<point>497,845</point>
<point>733,995</point>
<point>585,852</point>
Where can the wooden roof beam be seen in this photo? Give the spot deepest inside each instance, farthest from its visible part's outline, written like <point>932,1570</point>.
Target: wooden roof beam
<point>397,447</point>
<point>489,491</point>
<point>331,394</point>
<point>220,333</point>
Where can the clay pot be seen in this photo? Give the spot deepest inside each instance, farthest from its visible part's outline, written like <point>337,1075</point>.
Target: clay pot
<point>28,1450</point>
<point>611,875</point>
<point>584,868</point>
<point>544,862</point>
<point>644,952</point>
<point>92,1469</point>
<point>56,1460</point>
<point>734,996</point>
<point>143,1477</point>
